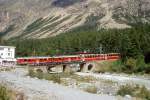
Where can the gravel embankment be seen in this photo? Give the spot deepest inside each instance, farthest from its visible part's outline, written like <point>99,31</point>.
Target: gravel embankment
<point>35,89</point>
<point>121,79</point>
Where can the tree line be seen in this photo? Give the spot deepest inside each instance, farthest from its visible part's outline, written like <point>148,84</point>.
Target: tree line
<point>129,42</point>
<point>133,44</point>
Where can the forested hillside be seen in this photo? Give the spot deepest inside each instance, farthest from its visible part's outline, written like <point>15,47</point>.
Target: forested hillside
<point>128,42</point>
<point>133,44</point>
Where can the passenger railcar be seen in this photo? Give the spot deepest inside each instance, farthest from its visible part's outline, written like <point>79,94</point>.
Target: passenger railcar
<point>68,59</point>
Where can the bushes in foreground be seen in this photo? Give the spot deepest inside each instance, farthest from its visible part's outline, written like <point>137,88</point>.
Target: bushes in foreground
<point>4,95</point>
<point>135,91</point>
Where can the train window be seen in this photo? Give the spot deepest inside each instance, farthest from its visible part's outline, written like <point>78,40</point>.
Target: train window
<point>59,58</point>
<point>49,58</point>
<point>44,59</point>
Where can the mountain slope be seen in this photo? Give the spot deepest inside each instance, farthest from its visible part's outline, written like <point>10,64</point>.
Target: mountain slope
<point>46,18</point>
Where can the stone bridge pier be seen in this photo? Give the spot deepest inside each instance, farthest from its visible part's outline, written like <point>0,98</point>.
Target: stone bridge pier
<point>66,68</point>
<point>87,67</point>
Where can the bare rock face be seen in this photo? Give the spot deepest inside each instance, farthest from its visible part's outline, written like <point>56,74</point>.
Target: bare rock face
<point>46,18</point>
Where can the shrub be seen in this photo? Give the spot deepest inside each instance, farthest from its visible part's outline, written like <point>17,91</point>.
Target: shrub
<point>125,90</point>
<point>117,66</point>
<point>141,65</point>
<point>53,77</point>
<point>39,74</point>
<point>144,93</point>
<point>137,65</point>
<point>4,93</point>
<point>130,65</point>
<point>91,89</point>
<point>135,91</point>
<point>31,73</point>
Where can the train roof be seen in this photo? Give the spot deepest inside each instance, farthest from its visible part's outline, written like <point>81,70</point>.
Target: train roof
<point>47,57</point>
<point>39,57</point>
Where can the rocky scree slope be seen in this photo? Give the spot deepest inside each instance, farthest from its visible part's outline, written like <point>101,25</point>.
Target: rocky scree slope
<point>45,18</point>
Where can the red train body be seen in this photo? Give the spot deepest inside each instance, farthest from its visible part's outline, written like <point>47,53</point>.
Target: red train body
<point>68,59</point>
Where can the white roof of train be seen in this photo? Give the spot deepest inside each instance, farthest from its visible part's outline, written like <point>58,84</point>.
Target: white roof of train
<point>61,56</point>
<point>48,57</point>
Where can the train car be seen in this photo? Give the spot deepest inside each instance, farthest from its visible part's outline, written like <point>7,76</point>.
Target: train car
<point>94,57</point>
<point>30,60</point>
<point>44,60</point>
<point>113,56</point>
<point>67,59</point>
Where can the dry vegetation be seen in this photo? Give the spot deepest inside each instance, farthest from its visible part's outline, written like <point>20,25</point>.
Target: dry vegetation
<point>7,94</point>
<point>102,67</point>
<point>86,83</point>
<point>61,78</point>
<point>5,69</point>
<point>135,91</point>
<point>91,89</point>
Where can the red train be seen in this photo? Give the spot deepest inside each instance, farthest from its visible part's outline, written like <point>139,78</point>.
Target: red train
<point>68,59</point>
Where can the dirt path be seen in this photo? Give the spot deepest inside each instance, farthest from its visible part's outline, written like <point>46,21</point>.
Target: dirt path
<point>35,89</point>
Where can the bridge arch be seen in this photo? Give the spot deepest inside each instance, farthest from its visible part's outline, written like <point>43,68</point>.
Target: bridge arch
<point>87,67</point>
<point>90,66</point>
